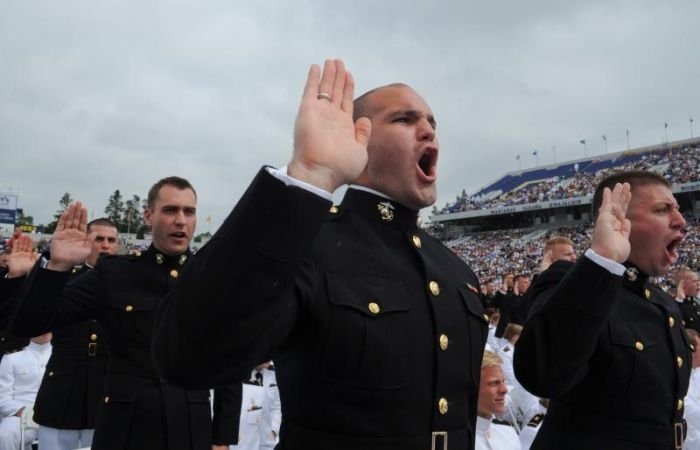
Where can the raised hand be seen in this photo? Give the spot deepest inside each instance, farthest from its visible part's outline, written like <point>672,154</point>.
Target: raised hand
<point>22,258</point>
<point>329,148</point>
<point>70,244</point>
<point>612,229</point>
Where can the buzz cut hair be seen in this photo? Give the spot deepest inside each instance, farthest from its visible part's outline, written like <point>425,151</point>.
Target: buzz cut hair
<point>101,222</point>
<point>557,240</point>
<point>361,105</point>
<point>175,181</point>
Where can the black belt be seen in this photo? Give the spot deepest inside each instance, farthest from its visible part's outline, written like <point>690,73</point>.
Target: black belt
<point>673,434</point>
<point>294,436</point>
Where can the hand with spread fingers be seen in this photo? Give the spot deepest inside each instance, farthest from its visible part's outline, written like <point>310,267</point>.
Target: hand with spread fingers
<point>330,149</point>
<point>70,243</point>
<point>612,229</point>
<point>22,258</point>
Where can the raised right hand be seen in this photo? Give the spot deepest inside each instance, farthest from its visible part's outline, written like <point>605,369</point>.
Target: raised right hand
<point>329,148</point>
<point>611,234</point>
<point>23,257</point>
<point>70,244</point>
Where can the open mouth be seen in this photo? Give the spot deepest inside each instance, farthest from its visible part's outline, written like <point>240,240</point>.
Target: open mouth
<point>178,235</point>
<point>672,246</point>
<point>428,162</point>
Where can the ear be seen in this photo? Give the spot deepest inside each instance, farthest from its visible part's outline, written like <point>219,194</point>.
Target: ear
<point>147,216</point>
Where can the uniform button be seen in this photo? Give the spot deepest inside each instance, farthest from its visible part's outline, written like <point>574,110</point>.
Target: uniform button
<point>129,308</point>
<point>434,288</point>
<point>444,342</point>
<point>334,209</point>
<point>373,308</point>
<point>442,406</point>
<point>93,337</point>
<point>174,274</point>
<point>486,317</point>
<point>50,374</point>
<point>107,399</point>
<point>639,346</point>
<point>680,404</point>
<point>671,322</point>
<point>679,361</point>
<point>647,293</point>
<point>416,241</point>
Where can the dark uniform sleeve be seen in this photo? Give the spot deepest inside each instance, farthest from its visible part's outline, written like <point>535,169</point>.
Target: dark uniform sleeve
<point>46,303</point>
<point>8,292</point>
<point>227,414</point>
<point>237,300</point>
<point>570,306</point>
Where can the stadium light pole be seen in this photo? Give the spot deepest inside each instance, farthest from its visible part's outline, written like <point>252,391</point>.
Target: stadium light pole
<point>628,139</point>
<point>666,132</point>
<point>691,127</point>
<point>605,139</point>
<point>583,141</point>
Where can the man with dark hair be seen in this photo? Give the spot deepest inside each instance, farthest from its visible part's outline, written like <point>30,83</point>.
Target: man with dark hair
<point>376,329</point>
<point>513,308</point>
<point>687,285</point>
<point>71,390</point>
<point>138,409</point>
<point>603,344</point>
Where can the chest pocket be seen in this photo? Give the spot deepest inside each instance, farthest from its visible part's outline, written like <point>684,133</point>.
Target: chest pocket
<point>368,338</point>
<point>628,350</point>
<point>130,319</point>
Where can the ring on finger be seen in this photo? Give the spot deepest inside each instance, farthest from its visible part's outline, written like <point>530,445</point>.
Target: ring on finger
<point>324,96</point>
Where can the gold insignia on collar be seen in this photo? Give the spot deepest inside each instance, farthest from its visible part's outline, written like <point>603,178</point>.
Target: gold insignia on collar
<point>159,258</point>
<point>386,211</point>
<point>182,260</point>
<point>631,273</point>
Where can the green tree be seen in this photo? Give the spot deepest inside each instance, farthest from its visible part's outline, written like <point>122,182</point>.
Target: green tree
<point>115,210</point>
<point>133,216</point>
<point>64,202</point>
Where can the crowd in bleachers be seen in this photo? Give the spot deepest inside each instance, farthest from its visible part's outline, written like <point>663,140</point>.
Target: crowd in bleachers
<point>578,179</point>
<point>494,253</point>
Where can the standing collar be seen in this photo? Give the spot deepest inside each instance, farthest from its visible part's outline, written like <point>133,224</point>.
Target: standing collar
<point>153,254</point>
<point>377,207</point>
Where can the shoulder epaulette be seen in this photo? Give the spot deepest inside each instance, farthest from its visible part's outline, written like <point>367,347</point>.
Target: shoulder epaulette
<point>501,422</point>
<point>536,419</point>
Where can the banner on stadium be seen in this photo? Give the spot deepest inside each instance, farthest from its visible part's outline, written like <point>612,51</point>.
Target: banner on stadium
<point>8,208</point>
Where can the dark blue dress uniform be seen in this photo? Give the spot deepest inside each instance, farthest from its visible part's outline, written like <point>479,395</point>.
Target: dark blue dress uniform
<point>691,313</point>
<point>8,290</point>
<point>138,410</point>
<point>611,354</point>
<point>376,329</point>
<point>71,390</point>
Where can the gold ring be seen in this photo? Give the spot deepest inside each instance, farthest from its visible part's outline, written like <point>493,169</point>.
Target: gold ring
<point>323,95</point>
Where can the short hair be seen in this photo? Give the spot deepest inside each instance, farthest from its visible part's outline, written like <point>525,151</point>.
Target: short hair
<point>635,178</point>
<point>519,276</point>
<point>682,273</point>
<point>512,330</point>
<point>361,105</point>
<point>490,359</point>
<point>102,222</point>
<point>174,181</point>
<point>557,240</point>
<point>506,275</point>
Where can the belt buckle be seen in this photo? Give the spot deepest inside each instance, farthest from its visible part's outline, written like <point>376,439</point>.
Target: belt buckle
<point>92,349</point>
<point>678,435</point>
<point>434,439</point>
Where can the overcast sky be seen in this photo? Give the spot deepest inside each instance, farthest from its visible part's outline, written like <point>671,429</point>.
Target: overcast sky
<point>104,95</point>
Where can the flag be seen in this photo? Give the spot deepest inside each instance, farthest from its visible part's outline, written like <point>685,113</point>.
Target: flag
<point>583,141</point>
<point>534,153</point>
<point>605,137</point>
<point>518,157</point>
<point>665,124</point>
<point>628,132</point>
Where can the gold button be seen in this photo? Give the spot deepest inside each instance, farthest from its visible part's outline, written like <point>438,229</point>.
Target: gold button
<point>679,361</point>
<point>334,209</point>
<point>486,317</point>
<point>93,337</point>
<point>50,374</point>
<point>639,346</point>
<point>373,308</point>
<point>647,293</point>
<point>444,342</point>
<point>442,406</point>
<point>129,308</point>
<point>416,241</point>
<point>434,288</point>
<point>680,404</point>
<point>107,399</point>
<point>138,253</point>
<point>671,322</point>
<point>174,274</point>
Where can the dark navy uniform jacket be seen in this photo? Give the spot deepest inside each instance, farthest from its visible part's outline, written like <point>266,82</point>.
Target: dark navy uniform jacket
<point>71,391</point>
<point>611,354</point>
<point>8,290</point>
<point>691,313</point>
<point>138,410</point>
<point>376,329</point>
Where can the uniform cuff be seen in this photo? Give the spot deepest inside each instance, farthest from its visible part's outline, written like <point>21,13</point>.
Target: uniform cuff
<point>608,264</point>
<point>281,174</point>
